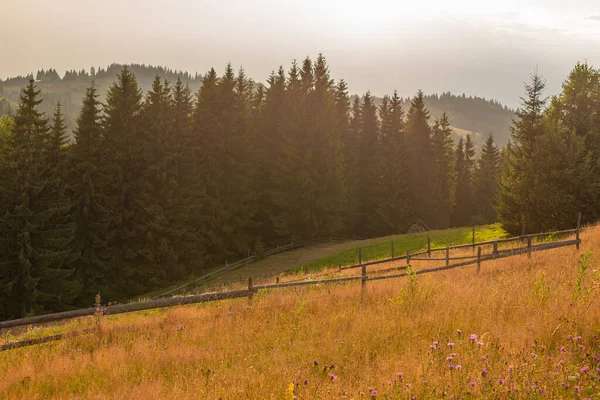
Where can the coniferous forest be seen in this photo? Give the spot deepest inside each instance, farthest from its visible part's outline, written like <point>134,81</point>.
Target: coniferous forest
<point>155,186</point>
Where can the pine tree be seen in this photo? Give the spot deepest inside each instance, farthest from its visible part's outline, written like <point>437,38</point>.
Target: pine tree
<point>366,173</point>
<point>513,206</point>
<point>35,254</point>
<point>87,186</point>
<point>420,159</point>
<point>391,195</point>
<point>159,188</point>
<point>187,208</point>
<point>443,173</point>
<point>220,125</point>
<point>465,162</point>
<point>485,183</point>
<point>124,165</point>
<point>268,143</point>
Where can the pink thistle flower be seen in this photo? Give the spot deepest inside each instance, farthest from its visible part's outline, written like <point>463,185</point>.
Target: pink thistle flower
<point>333,377</point>
<point>458,366</point>
<point>459,332</point>
<point>473,337</point>
<point>582,347</point>
<point>577,389</point>
<point>570,337</point>
<point>501,381</point>
<point>480,344</point>
<point>400,375</point>
<point>374,393</point>
<point>534,356</point>
<point>577,338</point>
<point>472,384</point>
<point>315,363</point>
<point>306,381</point>
<point>484,372</point>
<point>563,350</point>
<point>583,370</point>
<point>450,344</point>
<point>361,393</point>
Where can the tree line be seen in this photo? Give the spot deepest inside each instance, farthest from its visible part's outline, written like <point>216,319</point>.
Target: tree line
<point>158,185</point>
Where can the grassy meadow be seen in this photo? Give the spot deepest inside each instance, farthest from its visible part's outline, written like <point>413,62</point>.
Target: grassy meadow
<point>522,328</point>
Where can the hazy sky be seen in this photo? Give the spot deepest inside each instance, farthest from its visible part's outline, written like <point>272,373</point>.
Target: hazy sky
<point>378,45</point>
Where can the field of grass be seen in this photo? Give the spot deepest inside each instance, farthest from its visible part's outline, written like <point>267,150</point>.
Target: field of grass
<point>382,248</point>
<point>522,328</point>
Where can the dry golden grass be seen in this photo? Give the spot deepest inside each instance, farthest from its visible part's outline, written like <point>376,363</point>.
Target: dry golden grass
<point>522,311</point>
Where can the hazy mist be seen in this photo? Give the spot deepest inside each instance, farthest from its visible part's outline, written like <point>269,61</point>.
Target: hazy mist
<point>479,49</point>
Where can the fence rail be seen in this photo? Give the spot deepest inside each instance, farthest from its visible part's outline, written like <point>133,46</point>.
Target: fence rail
<point>215,296</point>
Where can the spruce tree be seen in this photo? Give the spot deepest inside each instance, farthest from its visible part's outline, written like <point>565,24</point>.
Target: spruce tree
<point>485,184</point>
<point>391,195</point>
<point>420,159</point>
<point>124,165</point>
<point>159,191</point>
<point>87,187</point>
<point>187,207</point>
<point>366,173</point>
<point>36,275</point>
<point>464,208</point>
<point>443,172</point>
<point>268,143</point>
<point>513,205</point>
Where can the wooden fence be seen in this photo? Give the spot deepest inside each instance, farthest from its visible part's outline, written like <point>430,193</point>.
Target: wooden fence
<point>477,259</point>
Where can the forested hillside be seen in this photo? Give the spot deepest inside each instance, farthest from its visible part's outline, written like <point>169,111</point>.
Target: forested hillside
<point>158,184</point>
<point>470,114</point>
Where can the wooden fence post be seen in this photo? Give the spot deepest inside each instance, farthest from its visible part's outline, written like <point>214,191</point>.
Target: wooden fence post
<point>447,255</point>
<point>428,247</point>
<point>577,230</point>
<point>478,259</point>
<point>392,249</point>
<point>473,238</point>
<point>495,248</point>
<point>363,280</point>
<point>250,289</point>
<point>529,247</point>
<point>339,267</point>
<point>407,257</point>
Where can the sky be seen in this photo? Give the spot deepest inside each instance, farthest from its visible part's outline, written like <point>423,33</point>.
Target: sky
<point>462,46</point>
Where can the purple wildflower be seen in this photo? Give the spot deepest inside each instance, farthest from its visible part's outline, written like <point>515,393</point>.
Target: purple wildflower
<point>484,372</point>
<point>577,389</point>
<point>400,375</point>
<point>583,370</point>
<point>534,356</point>
<point>333,377</point>
<point>577,338</point>
<point>374,393</point>
<point>563,350</point>
<point>316,362</point>
<point>501,381</point>
<point>472,384</point>
<point>361,393</point>
<point>582,347</point>
<point>480,344</point>
<point>459,332</point>
<point>306,381</point>
<point>450,344</point>
<point>473,337</point>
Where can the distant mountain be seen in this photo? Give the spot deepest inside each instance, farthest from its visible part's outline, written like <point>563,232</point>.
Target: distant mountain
<point>467,114</point>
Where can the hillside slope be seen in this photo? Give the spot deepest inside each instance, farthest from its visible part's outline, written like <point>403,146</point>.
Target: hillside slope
<point>522,328</point>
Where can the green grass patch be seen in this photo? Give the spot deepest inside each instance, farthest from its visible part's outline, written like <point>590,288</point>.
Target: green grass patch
<point>411,242</point>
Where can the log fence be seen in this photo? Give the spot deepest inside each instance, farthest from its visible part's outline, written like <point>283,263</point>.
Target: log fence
<point>364,277</point>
